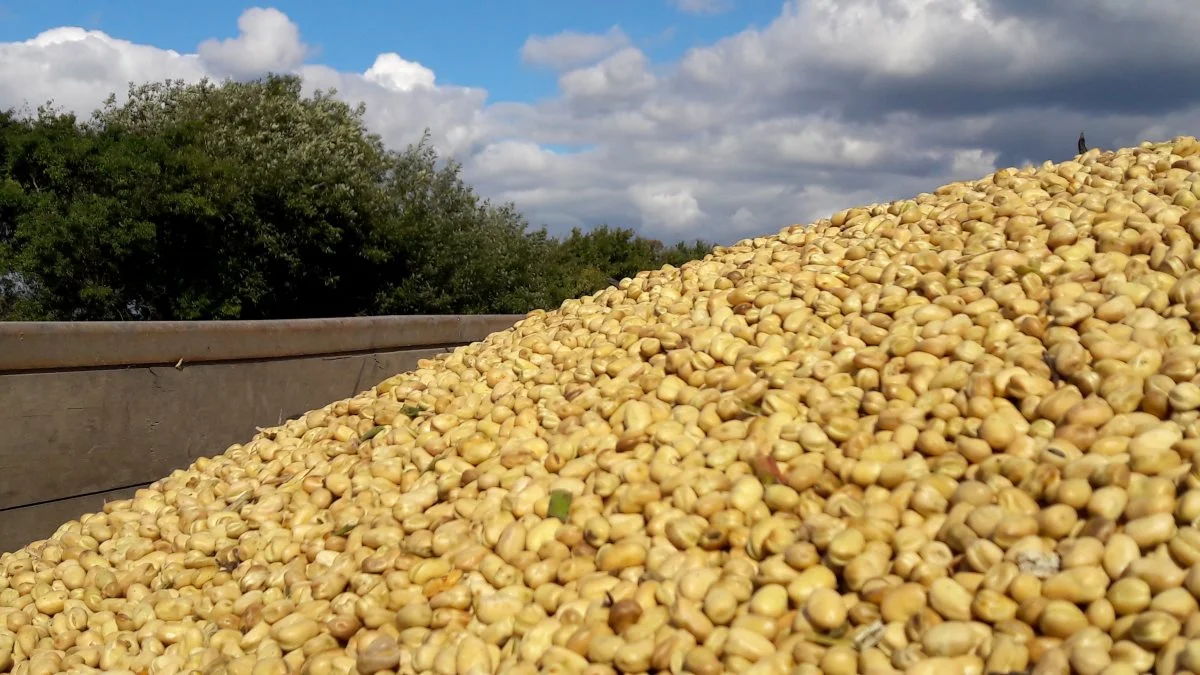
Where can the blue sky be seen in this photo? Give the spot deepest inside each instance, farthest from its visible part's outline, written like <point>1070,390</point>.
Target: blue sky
<point>470,43</point>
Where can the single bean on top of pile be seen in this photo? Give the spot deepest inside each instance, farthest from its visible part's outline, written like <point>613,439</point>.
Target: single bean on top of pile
<point>953,434</point>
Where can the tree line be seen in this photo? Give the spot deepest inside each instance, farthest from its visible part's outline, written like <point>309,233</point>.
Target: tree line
<point>251,200</point>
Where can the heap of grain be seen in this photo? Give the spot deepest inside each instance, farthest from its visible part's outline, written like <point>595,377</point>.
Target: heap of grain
<point>959,433</point>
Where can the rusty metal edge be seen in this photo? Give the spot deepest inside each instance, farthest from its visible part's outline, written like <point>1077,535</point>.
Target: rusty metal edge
<point>49,345</point>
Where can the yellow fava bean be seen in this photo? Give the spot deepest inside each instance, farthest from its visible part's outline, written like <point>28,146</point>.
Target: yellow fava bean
<point>955,433</point>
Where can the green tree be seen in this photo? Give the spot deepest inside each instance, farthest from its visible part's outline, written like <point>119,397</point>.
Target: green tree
<point>248,200</point>
<point>251,200</point>
<point>296,207</point>
<point>462,253</point>
<point>585,262</point>
<point>65,242</point>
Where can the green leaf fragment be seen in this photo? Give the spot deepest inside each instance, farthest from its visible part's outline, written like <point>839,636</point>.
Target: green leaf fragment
<point>345,530</point>
<point>560,504</point>
<point>1022,270</point>
<point>372,433</point>
<point>412,410</point>
<point>827,640</point>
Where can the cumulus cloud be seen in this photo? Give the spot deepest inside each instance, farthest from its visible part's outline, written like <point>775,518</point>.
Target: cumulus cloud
<point>832,104</point>
<point>619,79</point>
<point>670,205</point>
<point>403,98</point>
<point>392,71</point>
<point>267,41</point>
<point>571,49</point>
<point>77,68</point>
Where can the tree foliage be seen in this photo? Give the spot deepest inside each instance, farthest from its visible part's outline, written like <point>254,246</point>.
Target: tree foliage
<point>585,261</point>
<point>252,200</point>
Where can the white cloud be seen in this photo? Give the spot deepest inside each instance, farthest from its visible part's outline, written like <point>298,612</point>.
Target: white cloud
<point>78,68</point>
<point>403,99</point>
<point>835,103</point>
<point>670,205</point>
<point>745,220</point>
<point>392,71</point>
<point>620,77</point>
<point>702,6</point>
<point>508,157</point>
<point>571,49</point>
<point>268,41</point>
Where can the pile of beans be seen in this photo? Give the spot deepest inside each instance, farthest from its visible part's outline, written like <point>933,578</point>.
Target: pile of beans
<point>953,434</point>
